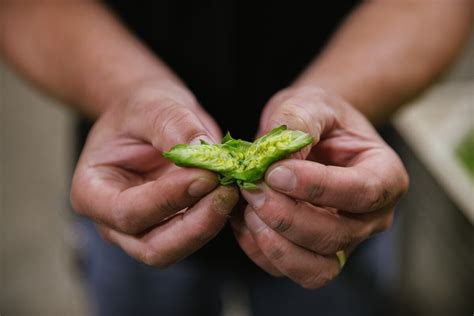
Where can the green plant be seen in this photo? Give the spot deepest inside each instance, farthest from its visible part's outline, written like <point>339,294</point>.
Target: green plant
<point>465,152</point>
<point>239,161</point>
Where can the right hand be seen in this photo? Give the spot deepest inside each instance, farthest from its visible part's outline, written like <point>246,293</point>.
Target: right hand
<point>134,195</point>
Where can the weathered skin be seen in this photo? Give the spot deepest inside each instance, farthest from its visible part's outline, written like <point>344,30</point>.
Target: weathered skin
<point>239,161</point>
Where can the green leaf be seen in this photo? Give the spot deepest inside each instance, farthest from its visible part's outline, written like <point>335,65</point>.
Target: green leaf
<point>226,180</point>
<point>246,185</point>
<point>226,138</point>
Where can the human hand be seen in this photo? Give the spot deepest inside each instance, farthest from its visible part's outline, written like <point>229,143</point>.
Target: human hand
<point>134,195</point>
<point>328,198</point>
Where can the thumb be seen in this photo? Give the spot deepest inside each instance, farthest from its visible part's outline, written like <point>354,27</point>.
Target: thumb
<point>166,125</point>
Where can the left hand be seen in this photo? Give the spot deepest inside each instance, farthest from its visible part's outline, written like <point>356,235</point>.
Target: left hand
<point>330,198</point>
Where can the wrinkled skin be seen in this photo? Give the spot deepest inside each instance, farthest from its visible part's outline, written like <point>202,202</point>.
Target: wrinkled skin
<point>327,198</point>
<point>124,184</point>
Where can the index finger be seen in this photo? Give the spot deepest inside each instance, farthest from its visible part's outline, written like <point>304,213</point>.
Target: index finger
<point>376,181</point>
<point>132,208</point>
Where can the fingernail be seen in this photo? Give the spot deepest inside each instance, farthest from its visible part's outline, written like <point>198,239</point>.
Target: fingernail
<point>201,186</point>
<point>256,198</point>
<point>282,178</point>
<point>254,223</point>
<point>207,139</point>
<point>224,200</point>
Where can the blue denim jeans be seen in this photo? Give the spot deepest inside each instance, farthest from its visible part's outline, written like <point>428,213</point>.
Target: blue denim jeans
<point>119,285</point>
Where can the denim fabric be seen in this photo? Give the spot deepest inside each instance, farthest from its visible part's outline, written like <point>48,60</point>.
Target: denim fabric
<point>118,285</point>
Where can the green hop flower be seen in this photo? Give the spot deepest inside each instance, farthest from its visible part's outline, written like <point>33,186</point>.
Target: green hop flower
<point>239,161</point>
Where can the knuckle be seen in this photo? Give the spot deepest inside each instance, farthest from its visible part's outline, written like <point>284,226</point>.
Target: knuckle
<point>104,233</point>
<point>401,180</point>
<point>78,202</point>
<point>274,250</point>
<point>203,230</point>
<point>178,115</point>
<point>203,233</point>
<point>282,221</point>
<point>168,206</point>
<point>318,280</point>
<point>153,258</point>
<point>344,240</point>
<point>327,244</point>
<point>405,182</point>
<point>147,256</point>
<point>174,116</point>
<point>250,247</point>
<point>315,189</point>
<point>124,221</point>
<point>404,185</point>
<point>294,115</point>
<point>385,223</point>
<point>374,194</point>
<point>360,236</point>
<point>313,281</point>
